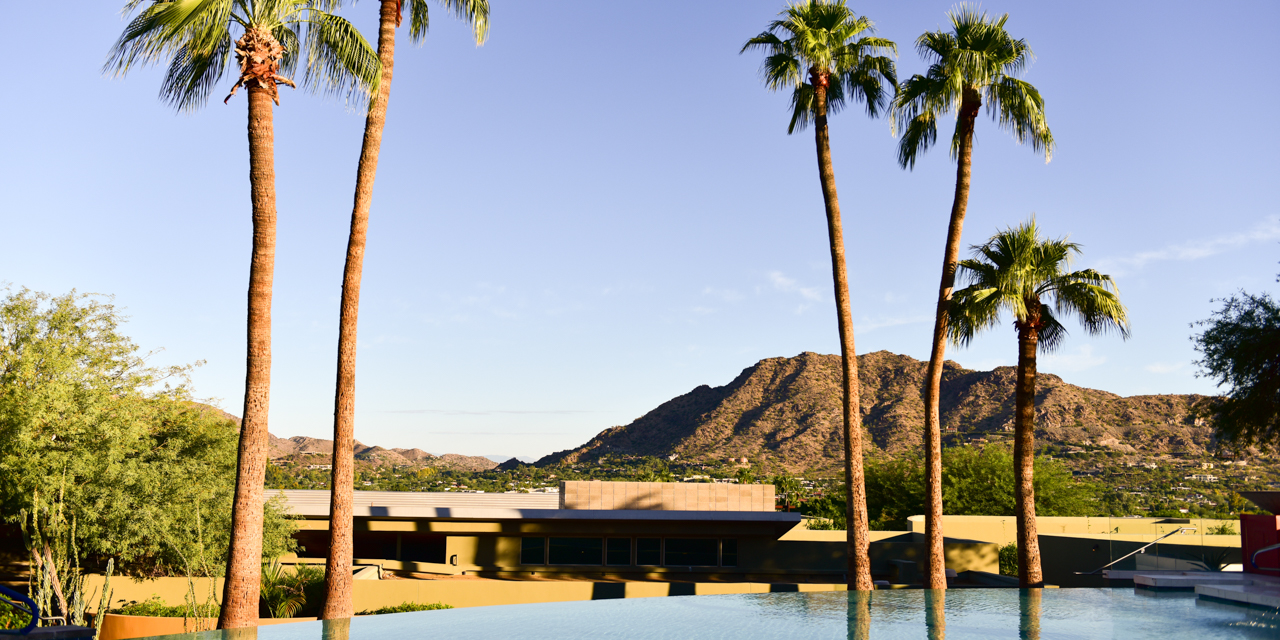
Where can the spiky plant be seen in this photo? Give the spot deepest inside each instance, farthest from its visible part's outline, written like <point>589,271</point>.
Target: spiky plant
<point>1019,273</point>
<point>977,61</point>
<point>269,39</point>
<point>827,56</point>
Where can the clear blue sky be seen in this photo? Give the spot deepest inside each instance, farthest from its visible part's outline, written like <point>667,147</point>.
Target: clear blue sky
<point>600,208</point>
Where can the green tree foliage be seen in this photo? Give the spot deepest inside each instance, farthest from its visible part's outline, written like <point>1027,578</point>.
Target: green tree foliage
<point>975,482</point>
<point>146,473</point>
<point>1009,559</point>
<point>1241,349</point>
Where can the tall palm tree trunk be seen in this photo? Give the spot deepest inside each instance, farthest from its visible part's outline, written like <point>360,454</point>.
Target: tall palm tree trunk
<point>1024,447</point>
<point>338,578</point>
<point>859,540</point>
<point>244,558</point>
<point>936,574</point>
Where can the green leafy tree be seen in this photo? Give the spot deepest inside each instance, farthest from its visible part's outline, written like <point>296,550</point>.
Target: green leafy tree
<point>827,56</point>
<point>1240,346</point>
<point>1025,275</point>
<point>338,587</point>
<point>196,39</point>
<point>975,482</point>
<point>976,61</point>
<point>97,437</point>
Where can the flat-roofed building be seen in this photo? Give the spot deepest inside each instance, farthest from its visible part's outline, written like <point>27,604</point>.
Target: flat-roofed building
<point>616,530</point>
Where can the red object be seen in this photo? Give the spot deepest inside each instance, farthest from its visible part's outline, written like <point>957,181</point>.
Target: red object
<point>1258,532</point>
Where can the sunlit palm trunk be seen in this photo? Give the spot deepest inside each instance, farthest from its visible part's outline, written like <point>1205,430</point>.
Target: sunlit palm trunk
<point>935,574</point>
<point>1024,447</point>
<point>244,558</point>
<point>338,578</point>
<point>859,577</point>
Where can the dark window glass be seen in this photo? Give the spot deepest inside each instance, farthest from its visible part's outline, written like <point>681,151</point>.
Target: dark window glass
<point>618,551</point>
<point>692,552</point>
<point>649,552</point>
<point>576,551</point>
<point>374,545</point>
<point>419,548</point>
<point>533,550</point>
<point>729,552</point>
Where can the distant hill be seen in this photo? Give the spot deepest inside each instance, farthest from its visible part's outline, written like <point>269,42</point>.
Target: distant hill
<point>284,447</point>
<point>786,412</point>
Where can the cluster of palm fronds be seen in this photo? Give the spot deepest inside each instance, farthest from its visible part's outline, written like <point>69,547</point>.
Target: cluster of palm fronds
<point>284,590</point>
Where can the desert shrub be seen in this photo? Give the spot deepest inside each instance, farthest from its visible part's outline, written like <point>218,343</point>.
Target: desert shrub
<point>11,618</point>
<point>155,608</point>
<point>1224,529</point>
<point>406,607</point>
<point>1009,559</point>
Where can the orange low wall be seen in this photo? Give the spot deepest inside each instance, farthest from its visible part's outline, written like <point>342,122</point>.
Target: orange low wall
<point>118,627</point>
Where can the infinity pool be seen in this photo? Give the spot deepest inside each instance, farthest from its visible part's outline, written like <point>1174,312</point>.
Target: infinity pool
<point>1050,614</point>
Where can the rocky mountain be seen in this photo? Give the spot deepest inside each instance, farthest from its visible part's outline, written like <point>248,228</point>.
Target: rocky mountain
<point>301,445</point>
<point>785,412</point>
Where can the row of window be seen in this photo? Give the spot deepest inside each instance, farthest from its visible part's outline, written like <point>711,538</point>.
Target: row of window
<point>644,552</point>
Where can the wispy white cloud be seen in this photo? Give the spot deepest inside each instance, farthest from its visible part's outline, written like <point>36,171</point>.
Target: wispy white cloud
<point>1079,359</point>
<point>784,284</point>
<point>1192,250</point>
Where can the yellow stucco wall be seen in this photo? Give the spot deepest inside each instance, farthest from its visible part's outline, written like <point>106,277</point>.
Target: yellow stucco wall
<point>1003,530</point>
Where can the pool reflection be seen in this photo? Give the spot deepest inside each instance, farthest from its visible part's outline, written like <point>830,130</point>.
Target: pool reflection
<point>336,629</point>
<point>935,616</point>
<point>859,615</point>
<point>1029,613</point>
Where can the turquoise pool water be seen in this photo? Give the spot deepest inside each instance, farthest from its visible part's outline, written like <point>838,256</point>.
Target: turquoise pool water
<point>1055,614</point>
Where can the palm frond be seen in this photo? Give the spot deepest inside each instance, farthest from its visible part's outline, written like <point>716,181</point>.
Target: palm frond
<point>827,38</point>
<point>195,39</point>
<point>976,55</point>
<point>801,108</point>
<point>191,76</point>
<point>870,82</point>
<point>339,60</point>
<point>1019,109</point>
<point>970,311</point>
<point>1019,272</point>
<point>473,12</point>
<point>1052,333</point>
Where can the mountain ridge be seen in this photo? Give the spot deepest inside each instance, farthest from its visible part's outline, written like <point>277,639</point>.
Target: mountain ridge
<point>786,412</point>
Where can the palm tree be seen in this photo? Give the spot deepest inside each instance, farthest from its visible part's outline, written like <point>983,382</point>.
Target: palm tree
<point>974,62</point>
<point>1019,272</point>
<point>825,43</point>
<point>196,39</point>
<point>338,602</point>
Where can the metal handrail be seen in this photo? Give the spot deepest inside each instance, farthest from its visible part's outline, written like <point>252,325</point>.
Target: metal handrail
<point>1253,559</point>
<point>7,596</point>
<point>1134,553</point>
